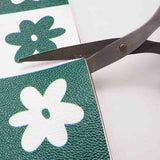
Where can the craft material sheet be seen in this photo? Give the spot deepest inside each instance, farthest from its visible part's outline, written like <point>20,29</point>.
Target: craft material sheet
<point>28,27</point>
<point>51,114</point>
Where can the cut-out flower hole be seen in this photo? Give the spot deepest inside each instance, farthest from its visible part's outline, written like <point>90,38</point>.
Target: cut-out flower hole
<point>34,37</point>
<point>48,122</point>
<point>45,113</point>
<point>17,1</point>
<point>20,1</point>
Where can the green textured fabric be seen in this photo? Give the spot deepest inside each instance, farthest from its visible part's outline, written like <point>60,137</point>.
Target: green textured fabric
<point>7,6</point>
<point>86,140</point>
<point>34,37</point>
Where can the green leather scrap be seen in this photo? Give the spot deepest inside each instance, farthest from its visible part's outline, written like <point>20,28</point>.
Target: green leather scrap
<point>86,139</point>
<point>7,6</point>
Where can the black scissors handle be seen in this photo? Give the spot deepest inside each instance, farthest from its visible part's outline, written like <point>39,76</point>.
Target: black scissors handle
<point>123,46</point>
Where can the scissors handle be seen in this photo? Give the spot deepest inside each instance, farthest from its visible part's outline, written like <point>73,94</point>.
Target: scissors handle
<point>123,46</point>
<point>148,47</point>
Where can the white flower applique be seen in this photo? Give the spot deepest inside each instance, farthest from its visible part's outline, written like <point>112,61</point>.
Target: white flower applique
<point>20,1</point>
<point>46,116</point>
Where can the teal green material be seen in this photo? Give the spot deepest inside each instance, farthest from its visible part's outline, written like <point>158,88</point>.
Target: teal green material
<point>86,140</point>
<point>43,33</point>
<point>6,6</point>
<point>45,113</point>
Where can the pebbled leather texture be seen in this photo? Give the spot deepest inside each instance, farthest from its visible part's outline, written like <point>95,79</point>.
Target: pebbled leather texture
<point>86,139</point>
<point>11,6</point>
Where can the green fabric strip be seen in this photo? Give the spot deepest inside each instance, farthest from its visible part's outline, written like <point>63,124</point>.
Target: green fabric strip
<point>10,6</point>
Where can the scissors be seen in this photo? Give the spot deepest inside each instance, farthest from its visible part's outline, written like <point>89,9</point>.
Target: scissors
<point>103,53</point>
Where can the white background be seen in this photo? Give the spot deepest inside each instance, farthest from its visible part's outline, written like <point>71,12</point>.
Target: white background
<point>129,90</point>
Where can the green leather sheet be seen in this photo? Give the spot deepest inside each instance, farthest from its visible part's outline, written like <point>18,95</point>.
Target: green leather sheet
<point>46,112</point>
<point>11,6</point>
<point>51,115</point>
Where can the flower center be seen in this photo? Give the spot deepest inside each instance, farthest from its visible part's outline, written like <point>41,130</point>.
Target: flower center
<point>45,113</point>
<point>34,37</point>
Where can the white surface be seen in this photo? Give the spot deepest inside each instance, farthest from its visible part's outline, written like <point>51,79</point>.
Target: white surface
<point>62,19</point>
<point>129,90</point>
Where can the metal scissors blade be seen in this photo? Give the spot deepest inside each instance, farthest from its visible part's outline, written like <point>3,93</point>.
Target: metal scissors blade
<point>102,53</point>
<point>86,50</point>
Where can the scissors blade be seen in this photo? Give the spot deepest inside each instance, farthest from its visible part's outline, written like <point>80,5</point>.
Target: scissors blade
<point>72,52</point>
<point>124,46</point>
<point>86,50</point>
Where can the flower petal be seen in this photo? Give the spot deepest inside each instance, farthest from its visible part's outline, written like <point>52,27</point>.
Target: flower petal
<point>15,39</point>
<point>20,119</point>
<point>27,27</point>
<point>54,93</point>
<point>45,23</point>
<point>44,45</point>
<point>69,113</point>
<point>31,99</point>
<point>55,32</point>
<point>32,137</point>
<point>24,51</point>
<point>57,135</point>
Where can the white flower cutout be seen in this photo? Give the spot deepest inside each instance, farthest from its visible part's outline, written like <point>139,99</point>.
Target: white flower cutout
<point>20,1</point>
<point>46,116</point>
